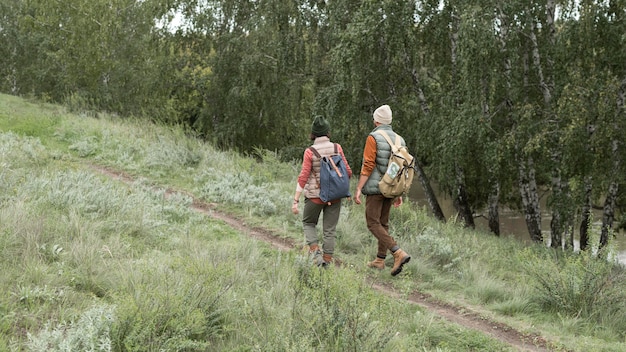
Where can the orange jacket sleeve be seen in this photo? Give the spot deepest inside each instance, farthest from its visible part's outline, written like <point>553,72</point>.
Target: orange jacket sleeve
<point>307,168</point>
<point>369,156</point>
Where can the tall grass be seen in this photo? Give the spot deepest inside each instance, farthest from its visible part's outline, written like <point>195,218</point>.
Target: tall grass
<point>91,263</point>
<point>579,286</point>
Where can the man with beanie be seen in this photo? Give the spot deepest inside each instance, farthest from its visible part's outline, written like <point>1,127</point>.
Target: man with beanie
<point>377,207</point>
<point>308,183</point>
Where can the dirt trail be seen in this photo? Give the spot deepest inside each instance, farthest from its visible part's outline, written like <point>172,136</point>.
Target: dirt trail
<point>458,315</point>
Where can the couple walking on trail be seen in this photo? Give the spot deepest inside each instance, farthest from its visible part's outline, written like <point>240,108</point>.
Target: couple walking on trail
<point>377,207</point>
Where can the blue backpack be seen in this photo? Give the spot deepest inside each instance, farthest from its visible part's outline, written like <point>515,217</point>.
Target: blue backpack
<point>333,179</point>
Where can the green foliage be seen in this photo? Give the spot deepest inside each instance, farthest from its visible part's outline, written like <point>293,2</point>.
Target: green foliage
<point>271,166</point>
<point>91,332</point>
<point>579,285</point>
<point>18,152</point>
<point>237,189</point>
<point>85,147</point>
<point>340,310</point>
<point>103,52</point>
<point>167,310</point>
<point>466,89</point>
<point>78,191</point>
<point>175,278</point>
<point>173,149</point>
<point>437,248</point>
<point>251,185</point>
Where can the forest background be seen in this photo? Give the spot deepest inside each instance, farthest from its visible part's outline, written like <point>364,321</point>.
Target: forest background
<point>503,102</point>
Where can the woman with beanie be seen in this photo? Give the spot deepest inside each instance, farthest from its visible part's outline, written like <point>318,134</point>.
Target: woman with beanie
<point>308,183</point>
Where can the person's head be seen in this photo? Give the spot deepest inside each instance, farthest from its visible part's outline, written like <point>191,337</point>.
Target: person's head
<point>383,115</point>
<point>320,127</point>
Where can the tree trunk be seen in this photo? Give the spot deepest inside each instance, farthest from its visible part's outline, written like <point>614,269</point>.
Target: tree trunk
<point>608,214</point>
<point>461,203</point>
<point>586,215</point>
<point>567,212</point>
<point>417,86</point>
<point>494,216</point>
<point>556,226</point>
<point>609,204</point>
<point>569,234</point>
<point>430,194</point>
<point>585,222</point>
<point>530,199</point>
<point>494,192</point>
<point>546,84</point>
<point>421,175</point>
<point>526,178</point>
<point>556,223</point>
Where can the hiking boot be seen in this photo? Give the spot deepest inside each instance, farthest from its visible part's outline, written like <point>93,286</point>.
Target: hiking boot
<point>378,263</point>
<point>315,254</point>
<point>325,260</point>
<point>399,259</point>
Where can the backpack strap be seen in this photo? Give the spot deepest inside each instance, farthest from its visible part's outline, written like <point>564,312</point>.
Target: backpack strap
<point>332,162</point>
<point>394,146</point>
<point>317,154</point>
<point>315,174</point>
<point>314,150</point>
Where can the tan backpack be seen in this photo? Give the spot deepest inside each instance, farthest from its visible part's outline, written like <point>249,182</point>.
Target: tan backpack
<point>400,171</point>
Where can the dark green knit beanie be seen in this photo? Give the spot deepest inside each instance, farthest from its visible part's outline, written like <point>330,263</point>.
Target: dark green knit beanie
<point>320,126</point>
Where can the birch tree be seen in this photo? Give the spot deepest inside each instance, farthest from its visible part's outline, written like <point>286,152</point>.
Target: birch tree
<point>613,28</point>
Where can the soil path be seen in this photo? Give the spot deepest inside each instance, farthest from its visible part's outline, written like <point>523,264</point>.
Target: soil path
<point>459,315</point>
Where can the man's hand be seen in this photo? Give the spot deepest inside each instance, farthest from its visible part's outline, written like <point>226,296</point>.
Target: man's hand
<point>397,202</point>
<point>357,196</point>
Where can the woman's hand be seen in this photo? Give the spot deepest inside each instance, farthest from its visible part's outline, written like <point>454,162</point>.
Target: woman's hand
<point>294,208</point>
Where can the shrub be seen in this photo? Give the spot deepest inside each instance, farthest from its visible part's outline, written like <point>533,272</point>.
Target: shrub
<point>336,312</point>
<point>579,285</point>
<point>238,188</point>
<point>169,311</point>
<point>436,247</point>
<point>90,333</point>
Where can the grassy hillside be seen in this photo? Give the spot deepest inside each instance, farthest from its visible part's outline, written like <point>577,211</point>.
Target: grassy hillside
<point>91,262</point>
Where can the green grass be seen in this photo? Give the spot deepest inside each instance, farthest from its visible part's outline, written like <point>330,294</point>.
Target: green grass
<point>93,263</point>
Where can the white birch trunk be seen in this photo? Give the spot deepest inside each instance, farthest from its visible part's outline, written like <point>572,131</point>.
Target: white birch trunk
<point>609,205</point>
<point>530,199</point>
<point>421,175</point>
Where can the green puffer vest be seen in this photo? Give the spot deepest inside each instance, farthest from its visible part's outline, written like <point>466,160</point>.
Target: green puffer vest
<point>383,152</point>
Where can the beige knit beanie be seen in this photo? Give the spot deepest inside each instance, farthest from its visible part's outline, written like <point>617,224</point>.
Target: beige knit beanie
<point>383,115</point>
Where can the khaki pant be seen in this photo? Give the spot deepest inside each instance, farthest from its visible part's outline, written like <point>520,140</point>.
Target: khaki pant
<point>377,208</point>
<point>311,216</point>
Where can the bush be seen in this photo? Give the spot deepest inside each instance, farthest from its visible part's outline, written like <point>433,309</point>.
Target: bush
<point>438,248</point>
<point>579,285</point>
<point>238,188</point>
<point>168,311</point>
<point>337,313</point>
<point>90,333</point>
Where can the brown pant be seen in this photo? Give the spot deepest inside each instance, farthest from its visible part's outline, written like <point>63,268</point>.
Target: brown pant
<point>377,208</point>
